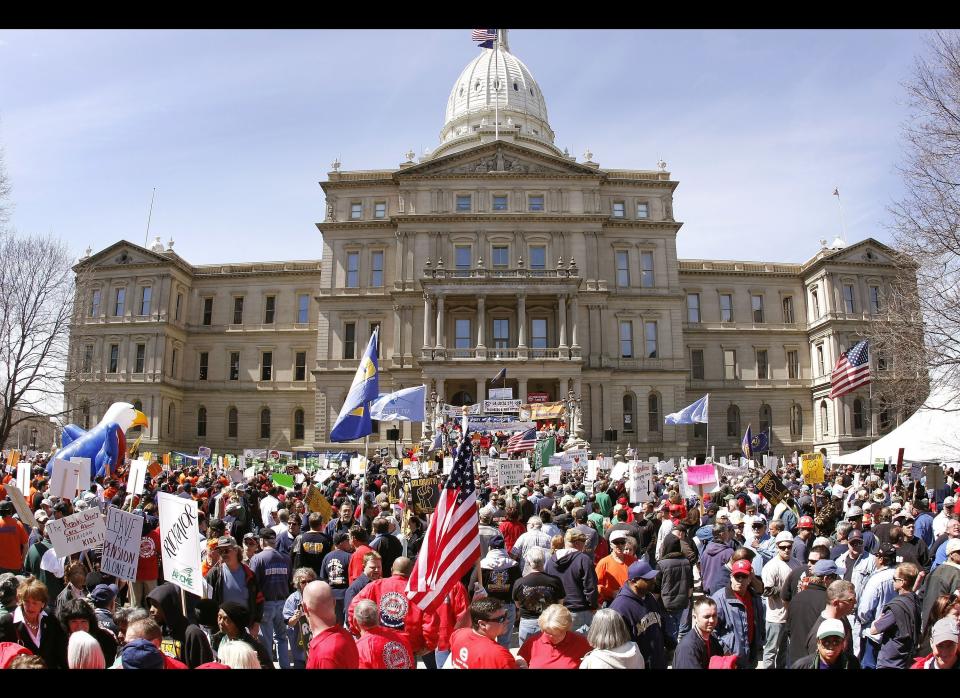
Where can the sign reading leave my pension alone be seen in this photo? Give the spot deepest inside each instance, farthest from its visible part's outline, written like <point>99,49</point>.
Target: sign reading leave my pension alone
<point>78,532</point>
<point>425,493</point>
<point>121,545</point>
<point>180,542</point>
<point>811,465</point>
<point>772,487</point>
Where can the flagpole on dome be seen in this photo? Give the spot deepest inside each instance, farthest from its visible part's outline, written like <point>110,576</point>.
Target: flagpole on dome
<point>496,86</point>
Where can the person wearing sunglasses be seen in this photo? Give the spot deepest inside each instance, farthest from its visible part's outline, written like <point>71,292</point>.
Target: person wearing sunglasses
<point>898,625</point>
<point>831,646</point>
<point>774,576</point>
<point>476,647</point>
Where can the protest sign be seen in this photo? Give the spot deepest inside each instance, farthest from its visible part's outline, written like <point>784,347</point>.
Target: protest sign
<point>620,470</point>
<point>316,502</point>
<point>358,465</point>
<point>811,465</point>
<point>916,471</point>
<point>23,476</point>
<point>667,467</point>
<point>542,411</point>
<point>283,480</point>
<point>425,493</point>
<point>935,477</point>
<point>511,473</point>
<point>500,393</point>
<point>493,473</point>
<point>447,464</point>
<point>553,474</point>
<point>701,474</point>
<point>578,457</point>
<point>823,522</point>
<point>592,467</point>
<point>394,486</point>
<point>526,465</point>
<point>63,482</point>
<point>323,475</point>
<point>772,487</point>
<point>78,532</point>
<point>180,542</point>
<point>641,482</point>
<point>137,476</point>
<point>20,504</point>
<point>121,544</point>
<point>235,475</point>
<point>879,463</point>
<point>501,406</point>
<point>83,483</point>
<point>154,469</point>
<point>492,423</point>
<point>413,468</point>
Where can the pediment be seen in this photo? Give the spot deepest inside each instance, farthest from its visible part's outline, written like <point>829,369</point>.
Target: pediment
<point>122,253</point>
<point>867,251</point>
<point>500,158</point>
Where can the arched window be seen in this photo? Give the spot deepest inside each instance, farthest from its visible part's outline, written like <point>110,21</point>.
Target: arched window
<point>461,398</point>
<point>298,425</point>
<point>824,418</point>
<point>137,405</point>
<point>796,422</point>
<point>766,419</point>
<point>232,419</point>
<point>733,421</point>
<point>653,413</point>
<point>629,417</point>
<point>170,419</point>
<point>858,415</point>
<point>202,421</point>
<point>265,423</point>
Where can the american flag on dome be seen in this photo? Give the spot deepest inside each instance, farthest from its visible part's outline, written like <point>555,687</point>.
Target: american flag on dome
<point>451,545</point>
<point>852,370</point>
<point>522,441</point>
<point>485,36</point>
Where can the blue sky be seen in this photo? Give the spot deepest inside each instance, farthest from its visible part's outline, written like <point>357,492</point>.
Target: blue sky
<point>235,128</point>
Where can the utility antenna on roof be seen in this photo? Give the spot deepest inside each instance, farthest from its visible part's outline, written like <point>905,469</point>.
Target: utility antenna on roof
<point>146,237</point>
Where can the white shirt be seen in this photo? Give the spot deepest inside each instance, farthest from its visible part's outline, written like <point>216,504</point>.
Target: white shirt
<point>268,505</point>
<point>940,524</point>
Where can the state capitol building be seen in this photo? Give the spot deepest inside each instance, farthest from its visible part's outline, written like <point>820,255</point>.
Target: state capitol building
<point>495,250</point>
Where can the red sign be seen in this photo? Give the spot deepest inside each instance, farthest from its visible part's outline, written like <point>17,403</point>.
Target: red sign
<point>538,397</point>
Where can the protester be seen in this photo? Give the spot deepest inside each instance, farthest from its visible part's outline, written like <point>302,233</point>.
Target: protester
<point>83,652</point>
<point>535,592</point>
<point>612,646</point>
<point>898,624</point>
<point>476,647</point>
<point>575,570</point>
<point>831,646</point>
<point>234,621</point>
<point>944,637</point>
<point>556,646</point>
<point>698,646</point>
<point>380,647</point>
<point>298,629</point>
<point>642,613</point>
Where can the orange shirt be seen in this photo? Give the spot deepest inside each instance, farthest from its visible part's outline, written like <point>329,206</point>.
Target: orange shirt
<point>611,575</point>
<point>12,536</point>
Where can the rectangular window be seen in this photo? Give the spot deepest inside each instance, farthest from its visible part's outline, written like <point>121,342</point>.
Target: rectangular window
<point>266,366</point>
<point>819,359</point>
<point>881,362</point>
<point>462,256</point>
<point>300,366</point>
<point>356,211</point>
<point>538,257</point>
<point>145,296</point>
<point>874,299</point>
<point>763,367</point>
<point>756,304</point>
<point>788,309</point>
<point>353,269</point>
<point>95,303</point>
<point>234,365</point>
<point>119,299</point>
<point>349,340</point>
<point>141,358</point>
<point>499,202</point>
<point>501,256</point>
<point>626,340</point>
<point>646,269</point>
<point>816,304</point>
<point>114,358</point>
<point>207,311</point>
<point>173,364</point>
<point>643,210</point>
<point>87,358</point>
<point>203,364</point>
<point>726,307</point>
<point>303,308</point>
<point>376,269</point>
<point>535,203</point>
<point>623,268</point>
<point>696,363</point>
<point>269,309</point>
<point>463,203</point>
<point>176,314</point>
<point>238,310</point>
<point>650,338</point>
<point>848,306</point>
<point>463,335</point>
<point>793,364</point>
<point>729,364</point>
<point>232,423</point>
<point>618,209</point>
<point>538,334</point>
<point>693,307</point>
<point>501,333</point>
<point>380,209</point>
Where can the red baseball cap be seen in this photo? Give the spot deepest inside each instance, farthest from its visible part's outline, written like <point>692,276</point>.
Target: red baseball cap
<point>741,567</point>
<point>805,522</point>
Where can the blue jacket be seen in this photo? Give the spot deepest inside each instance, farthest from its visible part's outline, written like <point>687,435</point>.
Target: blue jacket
<point>642,616</point>
<point>732,625</point>
<point>923,528</point>
<point>714,557</point>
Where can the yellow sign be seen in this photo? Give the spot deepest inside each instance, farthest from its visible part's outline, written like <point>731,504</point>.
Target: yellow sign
<point>811,465</point>
<point>317,502</point>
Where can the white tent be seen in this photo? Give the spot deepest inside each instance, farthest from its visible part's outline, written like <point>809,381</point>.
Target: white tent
<point>932,433</point>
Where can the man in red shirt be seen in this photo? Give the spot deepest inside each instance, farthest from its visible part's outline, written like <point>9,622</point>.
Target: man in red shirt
<point>148,566</point>
<point>358,539</point>
<point>332,647</point>
<point>380,647</point>
<point>477,647</point>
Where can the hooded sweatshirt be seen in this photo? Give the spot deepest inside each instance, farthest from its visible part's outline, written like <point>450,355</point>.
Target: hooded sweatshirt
<point>626,656</point>
<point>675,576</point>
<point>182,641</point>
<point>498,572</point>
<point>714,557</point>
<point>579,577</point>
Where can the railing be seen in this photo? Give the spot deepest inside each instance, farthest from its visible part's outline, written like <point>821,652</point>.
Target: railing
<point>489,354</point>
<point>509,274</point>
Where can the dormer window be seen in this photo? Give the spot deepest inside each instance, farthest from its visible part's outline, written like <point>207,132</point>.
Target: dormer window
<point>516,88</point>
<point>477,86</point>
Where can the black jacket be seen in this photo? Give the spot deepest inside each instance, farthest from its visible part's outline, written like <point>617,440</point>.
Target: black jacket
<point>389,547</point>
<point>53,642</point>
<point>674,576</point>
<point>245,636</point>
<point>254,595</point>
<point>579,577</point>
<point>692,652</point>
<point>181,640</point>
<point>898,642</point>
<point>812,661</point>
<point>805,609</point>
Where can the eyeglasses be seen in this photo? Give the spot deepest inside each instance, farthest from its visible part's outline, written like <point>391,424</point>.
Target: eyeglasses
<point>898,579</point>
<point>741,577</point>
<point>498,619</point>
<point>831,641</point>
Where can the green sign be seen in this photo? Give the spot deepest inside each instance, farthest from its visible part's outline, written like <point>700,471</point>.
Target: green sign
<point>879,463</point>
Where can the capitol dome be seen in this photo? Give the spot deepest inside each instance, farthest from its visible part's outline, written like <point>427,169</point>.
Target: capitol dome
<point>496,86</point>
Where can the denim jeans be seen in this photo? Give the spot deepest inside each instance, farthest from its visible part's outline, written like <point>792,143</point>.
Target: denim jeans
<point>273,626</point>
<point>440,657</point>
<point>528,627</point>
<point>870,650</point>
<point>676,624</point>
<point>582,621</point>
<point>776,647</point>
<point>504,639</point>
<point>299,655</point>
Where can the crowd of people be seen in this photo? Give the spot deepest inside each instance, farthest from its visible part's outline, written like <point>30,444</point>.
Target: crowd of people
<point>861,571</point>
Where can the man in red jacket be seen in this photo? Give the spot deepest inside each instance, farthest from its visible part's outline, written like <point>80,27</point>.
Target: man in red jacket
<point>380,647</point>
<point>452,614</point>
<point>396,611</point>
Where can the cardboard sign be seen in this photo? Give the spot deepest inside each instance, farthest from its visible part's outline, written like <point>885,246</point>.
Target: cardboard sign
<point>180,542</point>
<point>154,469</point>
<point>879,463</point>
<point>447,464</point>
<point>425,493</point>
<point>701,474</point>
<point>317,502</point>
<point>620,471</point>
<point>811,465</point>
<point>935,477</point>
<point>511,473</point>
<point>121,544</point>
<point>137,476</point>
<point>592,467</point>
<point>20,504</point>
<point>772,487</point>
<point>78,532</point>
<point>553,474</point>
<point>641,482</point>
<point>23,476</point>
<point>64,481</point>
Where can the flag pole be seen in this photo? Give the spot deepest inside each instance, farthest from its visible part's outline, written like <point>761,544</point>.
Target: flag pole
<point>843,227</point>
<point>496,87</point>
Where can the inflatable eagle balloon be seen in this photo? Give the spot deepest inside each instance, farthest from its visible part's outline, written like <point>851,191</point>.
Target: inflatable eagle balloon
<point>106,444</point>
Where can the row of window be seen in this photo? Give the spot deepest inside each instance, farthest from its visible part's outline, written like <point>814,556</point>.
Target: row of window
<point>120,299</point>
<point>203,363</point>
<point>623,269</point>
<point>269,309</point>
<point>861,418</point>
<point>233,421</point>
<point>726,308</point>
<point>619,209</point>
<point>498,202</point>
<point>882,364</point>
<point>874,300</point>
<point>731,369</point>
<point>654,422</point>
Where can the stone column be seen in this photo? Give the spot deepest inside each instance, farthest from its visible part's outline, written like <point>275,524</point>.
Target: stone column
<point>522,321</point>
<point>481,319</point>
<point>522,389</point>
<point>426,321</point>
<point>397,329</point>
<point>481,389</point>
<point>440,342</point>
<point>574,320</point>
<point>562,317</point>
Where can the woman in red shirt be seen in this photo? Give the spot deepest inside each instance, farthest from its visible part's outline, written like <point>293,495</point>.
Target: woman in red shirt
<point>511,527</point>
<point>556,646</point>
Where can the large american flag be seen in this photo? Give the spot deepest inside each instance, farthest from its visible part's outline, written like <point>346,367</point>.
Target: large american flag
<point>451,545</point>
<point>522,441</point>
<point>484,35</point>
<point>852,370</point>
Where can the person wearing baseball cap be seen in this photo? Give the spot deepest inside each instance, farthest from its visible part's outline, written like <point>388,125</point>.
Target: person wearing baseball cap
<point>944,637</point>
<point>943,580</point>
<point>642,611</point>
<point>941,519</point>
<point>774,575</point>
<point>807,605</point>
<point>831,646</point>
<point>803,540</point>
<point>741,615</point>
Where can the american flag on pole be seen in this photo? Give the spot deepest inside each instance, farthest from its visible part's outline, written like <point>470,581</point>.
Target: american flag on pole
<point>522,441</point>
<point>452,542</point>
<point>852,370</point>
<point>486,37</point>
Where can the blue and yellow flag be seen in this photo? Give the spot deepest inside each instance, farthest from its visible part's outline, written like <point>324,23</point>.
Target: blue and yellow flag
<point>752,445</point>
<point>354,419</point>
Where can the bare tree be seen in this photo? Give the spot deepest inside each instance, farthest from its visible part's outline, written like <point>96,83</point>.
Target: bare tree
<point>6,207</point>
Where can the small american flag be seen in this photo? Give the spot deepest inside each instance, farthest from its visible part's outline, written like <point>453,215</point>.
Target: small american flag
<point>852,370</point>
<point>523,441</point>
<point>451,545</point>
<point>484,35</point>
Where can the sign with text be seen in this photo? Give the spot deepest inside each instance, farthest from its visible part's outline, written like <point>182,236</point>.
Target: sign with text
<point>879,463</point>
<point>121,544</point>
<point>500,393</point>
<point>20,504</point>
<point>23,475</point>
<point>553,474</point>
<point>544,410</point>
<point>394,486</point>
<point>641,482</point>
<point>701,474</point>
<point>63,482</point>
<point>137,476</point>
<point>180,542</point>
<point>823,522</point>
<point>447,464</point>
<point>811,465</point>
<point>425,493</point>
<point>502,406</point>
<point>592,467</point>
<point>491,423</point>
<point>457,411</point>
<point>78,532</point>
<point>772,487</point>
<point>511,473</point>
<point>83,484</point>
<point>537,397</point>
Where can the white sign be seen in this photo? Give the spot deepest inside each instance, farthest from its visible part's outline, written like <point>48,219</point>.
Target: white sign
<point>78,532</point>
<point>592,467</point>
<point>323,475</point>
<point>493,472</point>
<point>500,394</point>
<point>455,411</point>
<point>357,465</point>
<point>121,544</point>
<point>526,465</point>
<point>511,473</point>
<point>666,467</point>
<point>20,504</point>
<point>553,474</point>
<point>180,542</point>
<point>620,470</point>
<point>236,475</point>
<point>447,464</point>
<point>23,476</point>
<point>63,482</point>
<point>414,469</point>
<point>577,457</point>
<point>641,482</point>
<point>137,476</point>
<point>607,463</point>
<point>502,405</point>
<point>84,482</point>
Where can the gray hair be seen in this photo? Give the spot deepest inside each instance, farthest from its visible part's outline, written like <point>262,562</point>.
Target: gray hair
<point>129,614</point>
<point>535,522</point>
<point>83,652</point>
<point>608,630</point>
<point>237,654</point>
<point>305,573</point>
<point>536,558</point>
<point>367,614</point>
<point>843,528</point>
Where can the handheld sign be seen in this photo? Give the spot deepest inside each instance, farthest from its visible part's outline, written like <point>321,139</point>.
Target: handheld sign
<point>811,464</point>
<point>63,482</point>
<point>701,474</point>
<point>23,476</point>
<point>137,476</point>
<point>84,482</point>
<point>20,504</point>
<point>425,494</point>
<point>180,542</point>
<point>121,544</point>
<point>78,532</point>
<point>772,487</point>
<point>511,473</point>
